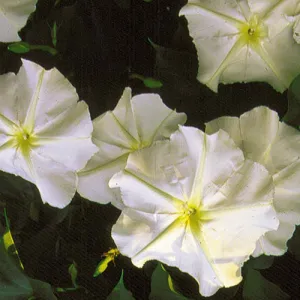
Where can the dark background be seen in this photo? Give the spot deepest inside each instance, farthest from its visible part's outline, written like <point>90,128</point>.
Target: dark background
<point>100,43</point>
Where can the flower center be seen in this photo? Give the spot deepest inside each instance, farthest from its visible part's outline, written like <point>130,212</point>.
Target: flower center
<point>24,140</point>
<point>187,212</point>
<point>253,31</point>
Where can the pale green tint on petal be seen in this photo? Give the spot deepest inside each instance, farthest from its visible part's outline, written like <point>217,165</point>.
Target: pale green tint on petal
<point>276,146</point>
<point>217,150</point>
<point>135,123</point>
<point>13,17</point>
<point>12,161</point>
<point>229,124</point>
<point>44,95</point>
<point>228,53</point>
<point>89,184</point>
<point>123,112</point>
<point>166,224</point>
<point>8,108</point>
<point>254,132</point>
<point>214,38</point>
<point>136,234</point>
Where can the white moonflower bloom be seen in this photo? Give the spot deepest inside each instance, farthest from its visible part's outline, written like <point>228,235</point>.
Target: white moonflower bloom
<point>45,133</point>
<point>193,202</point>
<point>245,40</point>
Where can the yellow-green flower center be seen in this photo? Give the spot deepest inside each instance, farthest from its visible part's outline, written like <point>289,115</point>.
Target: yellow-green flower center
<point>253,31</point>
<point>24,140</point>
<point>187,212</point>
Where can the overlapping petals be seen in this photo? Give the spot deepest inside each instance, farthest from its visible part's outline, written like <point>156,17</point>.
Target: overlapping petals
<point>245,41</point>
<point>264,139</point>
<point>45,133</point>
<point>193,202</point>
<point>134,124</point>
<point>13,17</point>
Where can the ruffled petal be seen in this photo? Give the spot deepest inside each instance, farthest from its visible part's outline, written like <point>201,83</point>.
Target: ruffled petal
<point>287,205</point>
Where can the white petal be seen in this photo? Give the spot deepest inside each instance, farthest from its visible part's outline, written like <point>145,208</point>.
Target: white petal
<point>154,120</point>
<point>229,124</point>
<point>287,205</point>
<point>214,37</point>
<point>67,138</point>
<point>94,178</point>
<point>259,128</point>
<point>134,123</point>
<point>13,16</point>
<point>42,95</point>
<point>214,158</point>
<point>55,182</point>
<point>124,114</point>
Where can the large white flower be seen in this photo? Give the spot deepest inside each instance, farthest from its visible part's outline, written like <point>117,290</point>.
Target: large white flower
<point>13,17</point>
<point>45,134</point>
<point>266,140</point>
<point>245,40</point>
<point>194,203</point>
<point>134,124</point>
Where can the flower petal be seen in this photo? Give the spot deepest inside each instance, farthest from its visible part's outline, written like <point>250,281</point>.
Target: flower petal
<point>154,224</point>
<point>93,180</point>
<point>67,138</point>
<point>13,16</point>
<point>287,205</point>
<point>135,123</point>
<point>154,120</point>
<point>55,182</point>
<point>229,124</point>
<point>42,95</point>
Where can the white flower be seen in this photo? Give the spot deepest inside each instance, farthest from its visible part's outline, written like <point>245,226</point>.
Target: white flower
<point>13,17</point>
<point>45,134</point>
<point>266,140</point>
<point>194,203</point>
<point>134,124</point>
<point>245,40</point>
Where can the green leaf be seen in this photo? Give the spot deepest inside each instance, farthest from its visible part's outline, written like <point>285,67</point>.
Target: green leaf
<point>292,116</point>
<point>14,284</point>
<point>73,272</point>
<point>19,47</point>
<point>120,292</point>
<point>294,243</point>
<point>161,285</point>
<point>257,287</point>
<point>152,83</point>
<point>261,262</point>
